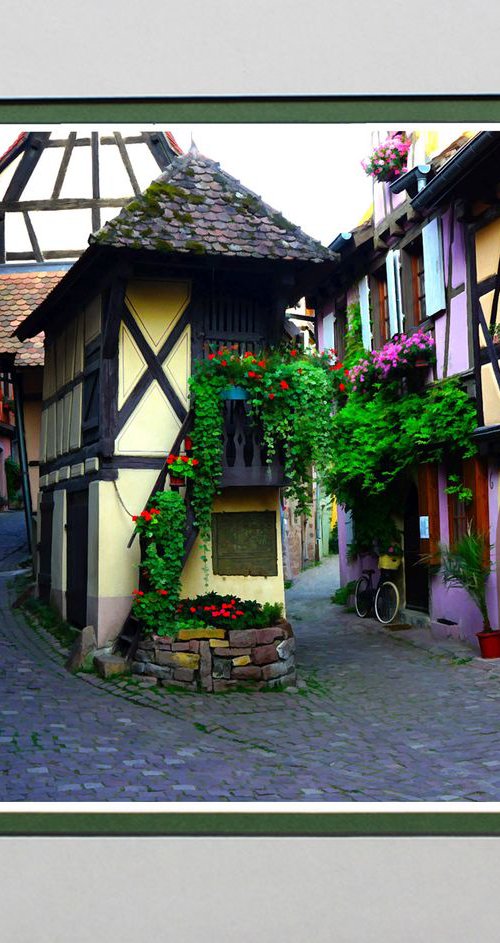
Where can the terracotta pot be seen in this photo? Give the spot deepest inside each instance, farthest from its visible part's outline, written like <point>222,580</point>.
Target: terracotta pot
<point>176,481</point>
<point>489,643</point>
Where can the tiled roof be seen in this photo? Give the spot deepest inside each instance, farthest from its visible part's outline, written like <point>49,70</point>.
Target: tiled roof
<point>197,207</point>
<point>20,293</point>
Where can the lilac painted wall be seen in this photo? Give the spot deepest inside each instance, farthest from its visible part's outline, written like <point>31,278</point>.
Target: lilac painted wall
<point>384,202</point>
<point>458,353</point>
<point>351,571</point>
<point>452,603</point>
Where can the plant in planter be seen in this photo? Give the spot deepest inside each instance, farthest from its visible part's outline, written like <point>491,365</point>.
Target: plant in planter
<point>229,611</point>
<point>395,359</point>
<point>181,467</point>
<point>389,159</point>
<point>390,554</point>
<point>466,565</point>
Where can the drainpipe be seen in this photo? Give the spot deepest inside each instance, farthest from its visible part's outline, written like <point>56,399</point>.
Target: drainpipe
<point>23,459</point>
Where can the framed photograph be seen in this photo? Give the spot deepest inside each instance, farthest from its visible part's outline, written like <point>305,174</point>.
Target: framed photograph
<point>249,494</point>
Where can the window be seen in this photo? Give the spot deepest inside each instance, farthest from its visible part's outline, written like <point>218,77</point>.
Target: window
<point>413,278</point>
<point>473,473</point>
<point>380,299</point>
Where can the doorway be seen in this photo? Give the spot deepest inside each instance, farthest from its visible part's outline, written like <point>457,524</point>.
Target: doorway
<point>416,573</point>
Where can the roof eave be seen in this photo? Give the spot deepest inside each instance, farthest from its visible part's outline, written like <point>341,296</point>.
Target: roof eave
<point>455,170</point>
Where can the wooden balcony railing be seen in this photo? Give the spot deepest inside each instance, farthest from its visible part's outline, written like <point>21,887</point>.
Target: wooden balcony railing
<point>244,462</point>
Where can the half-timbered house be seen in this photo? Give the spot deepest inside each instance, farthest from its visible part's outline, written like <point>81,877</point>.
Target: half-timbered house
<point>197,259</point>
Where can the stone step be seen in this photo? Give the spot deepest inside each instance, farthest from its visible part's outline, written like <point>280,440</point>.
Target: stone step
<point>109,665</point>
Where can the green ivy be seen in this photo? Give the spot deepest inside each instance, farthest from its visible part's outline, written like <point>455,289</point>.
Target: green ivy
<point>375,438</point>
<point>354,348</point>
<point>162,527</point>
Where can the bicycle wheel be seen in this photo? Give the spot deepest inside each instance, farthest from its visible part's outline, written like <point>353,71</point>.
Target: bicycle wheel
<point>363,595</point>
<point>386,602</point>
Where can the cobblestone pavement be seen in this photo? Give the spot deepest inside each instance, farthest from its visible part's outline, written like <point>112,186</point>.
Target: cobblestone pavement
<point>378,719</point>
<point>13,543</point>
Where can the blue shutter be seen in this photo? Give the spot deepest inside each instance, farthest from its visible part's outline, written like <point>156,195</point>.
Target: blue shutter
<point>435,298</point>
<point>364,305</point>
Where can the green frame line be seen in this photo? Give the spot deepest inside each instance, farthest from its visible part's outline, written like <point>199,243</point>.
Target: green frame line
<point>299,109</point>
<point>248,824</point>
<point>265,109</point>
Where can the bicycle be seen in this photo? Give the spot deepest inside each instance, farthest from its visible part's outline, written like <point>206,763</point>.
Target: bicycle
<point>382,599</point>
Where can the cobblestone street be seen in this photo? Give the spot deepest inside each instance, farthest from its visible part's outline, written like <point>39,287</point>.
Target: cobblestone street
<point>378,718</point>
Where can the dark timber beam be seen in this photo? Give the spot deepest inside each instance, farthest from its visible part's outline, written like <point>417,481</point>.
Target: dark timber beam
<point>96,186</point>
<point>34,149</point>
<point>68,150</point>
<point>127,163</point>
<point>32,237</point>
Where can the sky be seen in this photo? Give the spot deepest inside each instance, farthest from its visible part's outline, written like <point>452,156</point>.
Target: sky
<point>311,173</point>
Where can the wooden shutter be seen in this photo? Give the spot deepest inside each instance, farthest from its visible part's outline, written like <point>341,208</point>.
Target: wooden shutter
<point>476,478</point>
<point>364,304</point>
<point>428,506</point>
<point>435,299</point>
<point>91,394</point>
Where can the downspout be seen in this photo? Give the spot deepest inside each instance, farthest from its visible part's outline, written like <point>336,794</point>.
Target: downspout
<point>23,459</point>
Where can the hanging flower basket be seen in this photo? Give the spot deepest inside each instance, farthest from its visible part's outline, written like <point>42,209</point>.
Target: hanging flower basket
<point>389,160</point>
<point>176,481</point>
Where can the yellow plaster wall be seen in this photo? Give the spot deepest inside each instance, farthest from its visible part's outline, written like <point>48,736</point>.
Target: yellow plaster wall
<point>488,250</point>
<point>486,302</point>
<point>131,364</point>
<point>117,565</point>
<point>491,396</point>
<point>152,427</point>
<point>261,588</point>
<point>157,306</point>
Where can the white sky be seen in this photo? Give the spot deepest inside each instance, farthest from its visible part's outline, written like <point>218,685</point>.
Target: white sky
<point>310,173</point>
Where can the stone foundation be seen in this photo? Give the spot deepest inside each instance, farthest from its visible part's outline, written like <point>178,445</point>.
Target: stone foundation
<point>213,659</point>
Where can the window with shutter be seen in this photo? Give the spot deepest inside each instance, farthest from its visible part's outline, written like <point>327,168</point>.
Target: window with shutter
<point>474,474</point>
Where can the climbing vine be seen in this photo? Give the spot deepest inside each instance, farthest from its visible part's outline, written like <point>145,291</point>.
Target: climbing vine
<point>162,528</point>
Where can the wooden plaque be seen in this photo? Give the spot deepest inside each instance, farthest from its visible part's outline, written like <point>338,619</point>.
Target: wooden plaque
<point>244,543</point>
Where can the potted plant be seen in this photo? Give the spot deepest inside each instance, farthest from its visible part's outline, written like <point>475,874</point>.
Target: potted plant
<point>181,467</point>
<point>467,565</point>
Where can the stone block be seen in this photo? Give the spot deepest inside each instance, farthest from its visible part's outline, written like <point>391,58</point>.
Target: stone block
<point>265,654</point>
<point>247,673</point>
<point>286,648</point>
<point>163,643</point>
<point>179,659</point>
<point>109,665</point>
<point>84,643</point>
<point>241,660</point>
<point>218,643</point>
<point>148,644</point>
<point>188,634</point>
<point>231,652</point>
<point>223,685</point>
<point>205,666</point>
<point>159,671</point>
<point>141,655</point>
<point>266,636</point>
<point>278,669</point>
<point>194,647</point>
<point>286,681</point>
<point>244,638</point>
<point>221,668</point>
<point>180,646</point>
<point>183,674</point>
